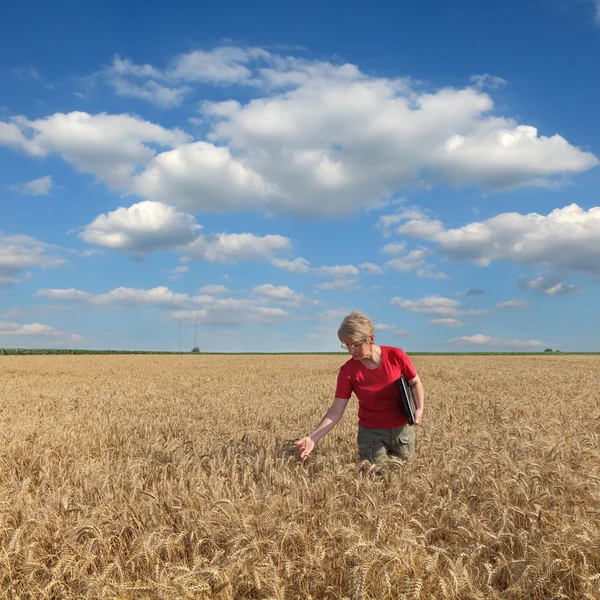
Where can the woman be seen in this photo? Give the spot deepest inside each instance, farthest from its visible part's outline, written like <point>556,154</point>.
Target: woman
<point>371,374</point>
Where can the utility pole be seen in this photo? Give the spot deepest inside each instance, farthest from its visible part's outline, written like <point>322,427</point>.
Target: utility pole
<point>179,335</point>
<point>195,336</point>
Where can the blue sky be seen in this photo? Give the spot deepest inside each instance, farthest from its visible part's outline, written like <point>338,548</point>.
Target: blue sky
<point>242,175</point>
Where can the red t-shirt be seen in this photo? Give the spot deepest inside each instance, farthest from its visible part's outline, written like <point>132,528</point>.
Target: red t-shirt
<point>378,396</point>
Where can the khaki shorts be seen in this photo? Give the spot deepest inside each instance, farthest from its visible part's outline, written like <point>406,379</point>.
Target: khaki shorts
<point>377,444</point>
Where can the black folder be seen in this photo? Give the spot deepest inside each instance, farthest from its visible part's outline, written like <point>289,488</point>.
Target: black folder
<point>406,399</point>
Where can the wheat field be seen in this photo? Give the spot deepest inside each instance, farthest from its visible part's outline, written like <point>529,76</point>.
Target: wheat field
<point>172,477</point>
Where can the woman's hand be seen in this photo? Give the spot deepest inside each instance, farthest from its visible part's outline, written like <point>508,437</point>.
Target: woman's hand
<point>305,446</point>
<point>418,416</point>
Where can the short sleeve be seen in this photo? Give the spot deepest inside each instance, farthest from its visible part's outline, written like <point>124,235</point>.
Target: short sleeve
<point>408,369</point>
<point>343,388</point>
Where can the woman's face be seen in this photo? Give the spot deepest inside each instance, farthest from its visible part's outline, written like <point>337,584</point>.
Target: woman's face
<point>358,349</point>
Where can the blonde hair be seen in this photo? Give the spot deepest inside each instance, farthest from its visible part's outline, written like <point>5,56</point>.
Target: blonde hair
<point>355,327</point>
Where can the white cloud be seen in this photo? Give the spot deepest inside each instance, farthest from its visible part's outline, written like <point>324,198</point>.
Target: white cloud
<point>402,332</point>
<point>487,81</point>
<point>324,139</point>
<point>214,289</point>
<point>37,187</point>
<point>178,272</point>
<point>223,65</point>
<point>150,226</point>
<point>427,273</point>
<point>110,147</point>
<point>512,304</point>
<point>410,261</point>
<point>448,322</point>
<point>343,277</point>
<point>394,248</point>
<point>431,305</point>
<point>337,284</point>
<point>338,271</point>
<point>12,136</point>
<point>371,269</point>
<point>36,329</point>
<point>140,81</point>
<point>142,228</point>
<point>161,95</point>
<point>230,247</point>
<point>549,286</point>
<point>498,343</point>
<point>203,177</point>
<point>336,314</point>
<point>383,327</point>
<point>437,306</point>
<point>567,239</point>
<point>18,252</point>
<point>232,312</point>
<point>165,88</point>
<point>280,293</point>
<point>298,265</point>
<point>333,143</point>
<point>15,312</point>
<point>120,297</point>
<point>598,12</point>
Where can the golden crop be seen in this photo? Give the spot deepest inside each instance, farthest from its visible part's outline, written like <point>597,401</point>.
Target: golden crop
<point>172,477</point>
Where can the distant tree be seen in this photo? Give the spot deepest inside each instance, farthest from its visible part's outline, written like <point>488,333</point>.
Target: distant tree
<point>196,350</point>
<point>546,350</point>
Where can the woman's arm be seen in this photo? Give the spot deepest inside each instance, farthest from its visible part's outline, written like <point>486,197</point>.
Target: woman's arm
<point>328,422</point>
<point>416,387</point>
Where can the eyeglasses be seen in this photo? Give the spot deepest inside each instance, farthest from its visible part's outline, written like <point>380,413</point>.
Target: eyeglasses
<point>354,346</point>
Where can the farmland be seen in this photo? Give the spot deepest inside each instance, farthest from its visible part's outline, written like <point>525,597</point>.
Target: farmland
<point>172,477</point>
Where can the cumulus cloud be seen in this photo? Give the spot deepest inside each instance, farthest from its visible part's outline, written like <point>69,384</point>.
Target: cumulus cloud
<point>232,312</point>
<point>204,309</point>
<point>142,228</point>
<point>473,292</point>
<point>298,265</point>
<point>203,177</point>
<point>231,247</point>
<point>110,147</point>
<point>335,142</point>
<point>567,239</point>
<point>383,327</point>
<point>36,330</point>
<point>150,226</point>
<point>318,138</point>
<point>225,65</point>
<point>37,187</point>
<point>448,322</point>
<point>550,285</point>
<point>340,283</point>
<point>512,304</point>
<point>437,306</point>
<point>394,248</point>
<point>335,314</point>
<point>496,343</point>
<point>431,305</point>
<point>18,252</point>
<point>410,261</point>
<point>178,272</point>
<point>280,293</point>
<point>214,289</point>
<point>161,297</point>
<point>371,269</point>
<point>428,273</point>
